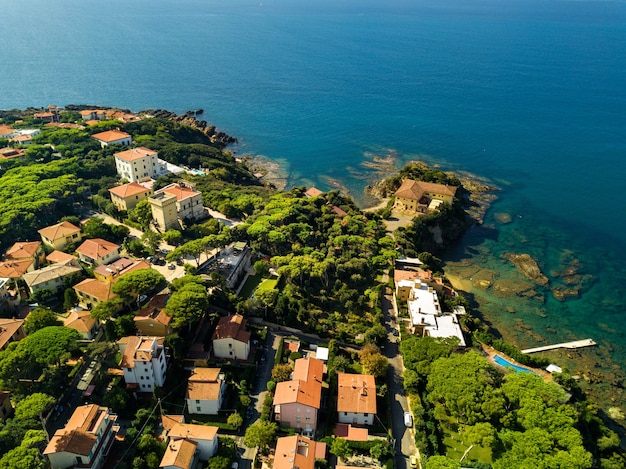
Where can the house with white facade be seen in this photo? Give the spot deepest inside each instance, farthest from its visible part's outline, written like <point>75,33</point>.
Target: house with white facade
<point>113,137</point>
<point>143,362</point>
<point>204,436</point>
<point>356,399</point>
<point>298,452</point>
<point>137,164</point>
<point>230,339</point>
<point>205,391</point>
<point>180,454</point>
<point>86,439</point>
<point>176,203</point>
<point>98,251</point>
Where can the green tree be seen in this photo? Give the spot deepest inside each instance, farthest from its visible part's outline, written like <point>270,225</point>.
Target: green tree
<point>235,420</point>
<point>173,237</point>
<point>151,240</point>
<point>187,305</point>
<point>107,309</point>
<point>260,434</point>
<point>218,462</point>
<point>442,462</point>
<point>137,283</point>
<point>281,372</point>
<point>26,455</point>
<point>52,345</point>
<point>33,406</point>
<point>372,361</point>
<point>69,298</point>
<point>40,318</point>
<point>142,214</point>
<point>340,447</point>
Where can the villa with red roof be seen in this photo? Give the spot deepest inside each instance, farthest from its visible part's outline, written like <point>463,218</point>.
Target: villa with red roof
<point>91,292</point>
<point>82,322</point>
<point>205,391</point>
<point>127,196</point>
<point>27,250</point>
<point>205,436</point>
<point>122,266</point>
<point>356,399</point>
<point>230,339</point>
<point>178,201</point>
<point>421,197</point>
<point>113,137</point>
<point>11,330</point>
<point>298,452</point>
<point>152,319</point>
<point>98,251</point>
<point>60,235</point>
<point>137,164</point>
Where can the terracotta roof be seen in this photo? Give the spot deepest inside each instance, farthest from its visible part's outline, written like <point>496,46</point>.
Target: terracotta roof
<point>111,136</point>
<point>8,327</point>
<point>303,392</point>
<point>348,432</point>
<point>308,369</point>
<point>297,452</point>
<point>23,250</point>
<point>59,256</point>
<point>356,393</point>
<point>338,211</point>
<point>80,320</point>
<point>313,192</point>
<point>204,384</point>
<point>58,231</point>
<point>192,431</point>
<point>64,125</point>
<point>179,454</point>
<point>135,154</point>
<point>168,421</point>
<point>232,327</point>
<point>78,436</point>
<point>101,290</point>
<point>14,268</point>
<point>6,130</point>
<point>11,152</point>
<point>140,349</point>
<point>154,311</point>
<point>97,248</point>
<point>181,192</point>
<point>411,189</point>
<point>121,267</point>
<point>128,190</point>
<point>50,272</point>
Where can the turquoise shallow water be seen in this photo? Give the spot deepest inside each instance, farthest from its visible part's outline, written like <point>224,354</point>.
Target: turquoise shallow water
<point>527,93</point>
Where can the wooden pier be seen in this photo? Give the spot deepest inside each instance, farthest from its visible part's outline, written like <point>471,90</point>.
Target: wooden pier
<point>571,345</point>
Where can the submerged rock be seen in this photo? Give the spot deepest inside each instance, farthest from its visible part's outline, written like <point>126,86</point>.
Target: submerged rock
<point>562,293</point>
<point>528,267</point>
<point>503,218</point>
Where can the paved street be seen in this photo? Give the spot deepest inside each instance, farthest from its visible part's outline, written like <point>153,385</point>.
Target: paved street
<point>404,437</point>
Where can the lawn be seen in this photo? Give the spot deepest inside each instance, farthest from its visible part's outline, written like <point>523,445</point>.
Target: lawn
<point>455,448</point>
<point>267,284</point>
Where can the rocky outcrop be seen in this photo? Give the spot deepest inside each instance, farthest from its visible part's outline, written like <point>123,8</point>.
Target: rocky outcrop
<point>219,139</point>
<point>528,267</point>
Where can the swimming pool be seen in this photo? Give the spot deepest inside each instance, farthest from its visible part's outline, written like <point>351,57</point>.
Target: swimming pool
<point>507,364</point>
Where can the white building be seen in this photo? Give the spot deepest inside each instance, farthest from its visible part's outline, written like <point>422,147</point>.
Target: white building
<point>137,164</point>
<point>85,440</point>
<point>203,435</point>
<point>356,399</point>
<point>205,391</point>
<point>113,137</point>
<point>230,339</point>
<point>178,201</point>
<point>143,362</point>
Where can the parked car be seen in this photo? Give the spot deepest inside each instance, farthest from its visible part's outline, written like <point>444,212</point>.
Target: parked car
<point>408,419</point>
<point>413,461</point>
<point>159,261</point>
<point>171,266</point>
<point>179,261</point>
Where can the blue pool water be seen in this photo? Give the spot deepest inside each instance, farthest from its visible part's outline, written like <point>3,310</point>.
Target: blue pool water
<point>507,364</point>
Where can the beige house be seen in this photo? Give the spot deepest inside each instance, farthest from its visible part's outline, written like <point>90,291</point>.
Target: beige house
<point>205,391</point>
<point>82,322</point>
<point>31,250</point>
<point>421,197</point>
<point>113,137</point>
<point>164,211</point>
<point>91,292</point>
<point>230,339</point>
<point>127,196</point>
<point>50,277</point>
<point>204,436</point>
<point>86,439</point>
<point>11,330</point>
<point>152,319</point>
<point>60,235</point>
<point>297,452</point>
<point>98,251</point>
<point>174,203</point>
<point>297,402</point>
<point>356,399</point>
<point>137,164</point>
<point>180,454</point>
<point>122,266</point>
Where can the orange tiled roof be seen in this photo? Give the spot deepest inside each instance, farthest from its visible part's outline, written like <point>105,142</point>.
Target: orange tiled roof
<point>400,274</point>
<point>8,327</point>
<point>180,454</point>
<point>232,327</point>
<point>168,421</point>
<point>204,384</point>
<point>14,268</point>
<point>308,369</point>
<point>356,393</point>
<point>307,393</point>
<point>128,190</point>
<point>193,432</point>
<point>80,320</point>
<point>313,192</point>
<point>139,349</point>
<point>23,250</point>
<point>97,248</point>
<point>411,189</point>
<point>60,230</point>
<point>59,256</point>
<point>297,452</point>
<point>101,290</point>
<point>6,129</point>
<point>135,154</point>
<point>111,136</point>
<point>154,311</point>
<point>181,192</point>
<point>78,436</point>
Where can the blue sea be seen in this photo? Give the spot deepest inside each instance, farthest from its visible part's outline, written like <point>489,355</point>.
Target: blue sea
<point>530,94</point>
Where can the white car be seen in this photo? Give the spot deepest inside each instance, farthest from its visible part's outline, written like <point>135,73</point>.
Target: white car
<point>408,419</point>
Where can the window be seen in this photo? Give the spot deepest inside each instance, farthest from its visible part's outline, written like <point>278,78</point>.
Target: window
<point>345,413</point>
<point>198,409</point>
<point>365,414</point>
<point>197,401</point>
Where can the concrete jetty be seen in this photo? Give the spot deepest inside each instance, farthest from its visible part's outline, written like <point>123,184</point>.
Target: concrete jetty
<point>571,345</point>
